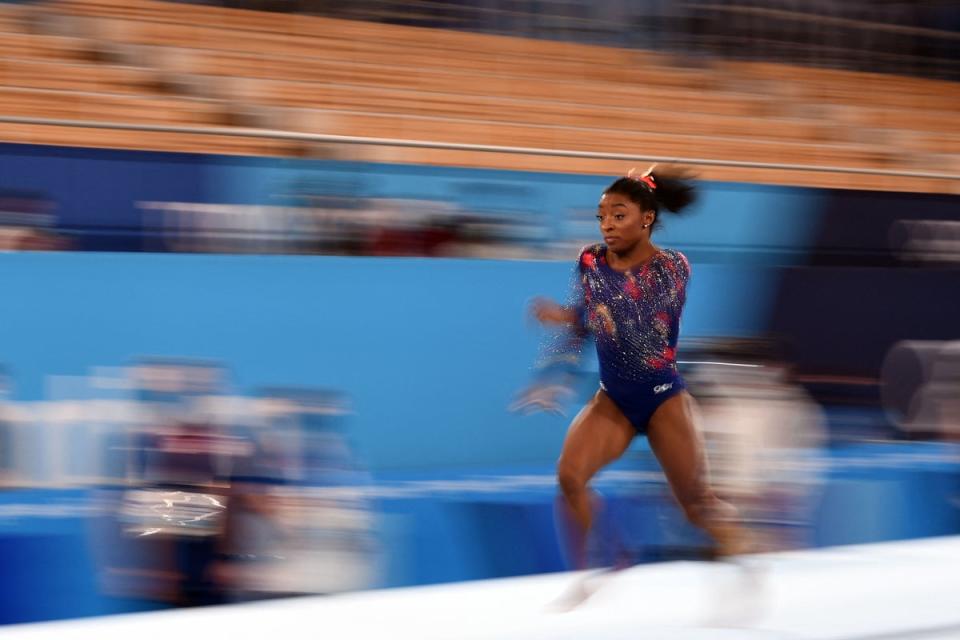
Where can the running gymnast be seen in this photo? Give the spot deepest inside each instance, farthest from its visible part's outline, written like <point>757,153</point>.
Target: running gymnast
<point>629,294</point>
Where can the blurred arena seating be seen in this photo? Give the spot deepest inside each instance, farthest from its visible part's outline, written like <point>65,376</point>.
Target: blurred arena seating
<point>231,71</point>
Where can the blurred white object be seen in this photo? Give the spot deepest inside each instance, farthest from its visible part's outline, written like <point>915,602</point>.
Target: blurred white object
<point>889,590</point>
<point>763,438</point>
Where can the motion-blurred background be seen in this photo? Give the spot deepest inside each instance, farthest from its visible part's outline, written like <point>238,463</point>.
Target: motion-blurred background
<point>266,265</point>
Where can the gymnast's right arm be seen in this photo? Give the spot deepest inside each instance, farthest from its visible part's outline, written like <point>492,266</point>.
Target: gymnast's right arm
<point>560,351</point>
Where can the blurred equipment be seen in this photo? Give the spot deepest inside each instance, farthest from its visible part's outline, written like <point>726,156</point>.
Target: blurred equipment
<point>920,388</point>
<point>298,520</point>
<point>764,437</point>
<point>170,515</point>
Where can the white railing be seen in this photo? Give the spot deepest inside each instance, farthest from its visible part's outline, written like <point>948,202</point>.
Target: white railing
<point>276,134</point>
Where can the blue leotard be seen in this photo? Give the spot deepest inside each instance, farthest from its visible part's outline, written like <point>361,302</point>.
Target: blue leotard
<point>634,318</point>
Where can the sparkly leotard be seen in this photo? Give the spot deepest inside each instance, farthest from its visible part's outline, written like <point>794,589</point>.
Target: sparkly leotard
<point>634,318</point>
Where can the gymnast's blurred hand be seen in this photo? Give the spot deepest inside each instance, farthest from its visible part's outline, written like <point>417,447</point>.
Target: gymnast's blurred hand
<point>542,397</point>
<point>549,312</point>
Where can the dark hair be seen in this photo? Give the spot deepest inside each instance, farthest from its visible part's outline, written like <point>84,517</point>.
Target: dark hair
<point>672,189</point>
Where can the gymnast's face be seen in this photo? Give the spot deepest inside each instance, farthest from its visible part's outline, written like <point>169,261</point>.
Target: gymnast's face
<point>622,222</point>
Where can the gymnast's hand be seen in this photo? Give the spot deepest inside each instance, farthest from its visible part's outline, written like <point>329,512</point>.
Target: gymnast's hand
<point>542,397</point>
<point>549,312</point>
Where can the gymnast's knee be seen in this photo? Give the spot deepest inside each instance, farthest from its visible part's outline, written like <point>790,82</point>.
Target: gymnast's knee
<point>571,478</point>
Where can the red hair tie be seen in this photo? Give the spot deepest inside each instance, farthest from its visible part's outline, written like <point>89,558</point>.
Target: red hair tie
<point>646,178</point>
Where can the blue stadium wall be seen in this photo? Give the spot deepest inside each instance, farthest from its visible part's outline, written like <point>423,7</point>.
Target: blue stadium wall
<point>431,351</point>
